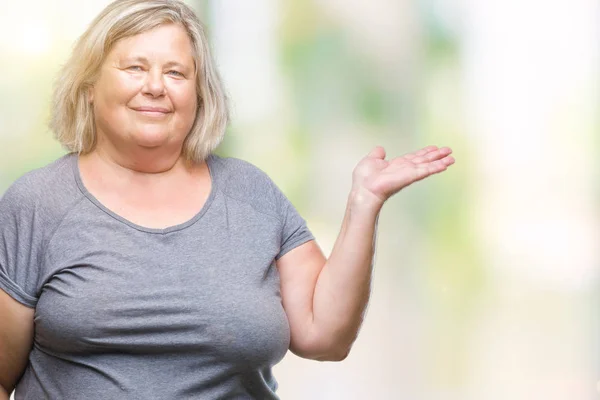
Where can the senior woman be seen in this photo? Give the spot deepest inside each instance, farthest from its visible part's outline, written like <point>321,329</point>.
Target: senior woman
<point>142,266</point>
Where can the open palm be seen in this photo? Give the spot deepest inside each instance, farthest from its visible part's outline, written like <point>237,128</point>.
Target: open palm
<point>374,175</point>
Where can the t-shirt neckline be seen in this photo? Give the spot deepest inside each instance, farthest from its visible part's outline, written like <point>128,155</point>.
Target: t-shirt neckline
<point>173,228</point>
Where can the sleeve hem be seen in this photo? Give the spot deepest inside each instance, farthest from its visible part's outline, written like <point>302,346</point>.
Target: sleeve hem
<point>305,237</point>
<point>16,292</point>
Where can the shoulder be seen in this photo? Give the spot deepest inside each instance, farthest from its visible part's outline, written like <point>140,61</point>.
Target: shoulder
<point>33,183</point>
<point>235,169</point>
<point>244,181</point>
<point>43,193</point>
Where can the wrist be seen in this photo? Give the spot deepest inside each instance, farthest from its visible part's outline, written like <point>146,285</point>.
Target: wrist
<point>364,200</point>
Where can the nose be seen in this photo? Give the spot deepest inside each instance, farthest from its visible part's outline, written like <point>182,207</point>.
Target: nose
<point>154,85</point>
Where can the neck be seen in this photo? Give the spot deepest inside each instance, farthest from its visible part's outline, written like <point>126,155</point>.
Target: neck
<point>139,159</point>
<point>105,171</point>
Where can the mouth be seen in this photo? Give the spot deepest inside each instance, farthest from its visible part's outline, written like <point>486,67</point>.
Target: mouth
<point>152,111</point>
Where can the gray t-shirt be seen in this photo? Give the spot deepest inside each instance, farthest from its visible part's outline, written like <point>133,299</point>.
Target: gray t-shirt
<point>126,312</point>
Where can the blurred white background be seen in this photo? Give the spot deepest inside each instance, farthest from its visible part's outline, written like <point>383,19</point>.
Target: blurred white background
<point>486,280</point>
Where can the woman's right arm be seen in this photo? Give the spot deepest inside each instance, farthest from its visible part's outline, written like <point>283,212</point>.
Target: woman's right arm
<point>16,340</point>
<point>3,394</point>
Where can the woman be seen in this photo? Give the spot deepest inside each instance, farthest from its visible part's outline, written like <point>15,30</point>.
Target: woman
<point>142,266</point>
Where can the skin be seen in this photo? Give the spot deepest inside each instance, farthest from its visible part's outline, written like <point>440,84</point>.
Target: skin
<point>325,298</point>
<point>153,69</point>
<point>16,339</point>
<point>137,163</point>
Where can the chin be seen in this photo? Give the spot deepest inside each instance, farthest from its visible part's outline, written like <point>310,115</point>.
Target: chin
<point>151,139</point>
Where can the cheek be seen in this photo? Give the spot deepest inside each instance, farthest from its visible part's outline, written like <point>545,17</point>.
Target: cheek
<point>119,90</point>
<point>127,89</point>
<point>184,99</point>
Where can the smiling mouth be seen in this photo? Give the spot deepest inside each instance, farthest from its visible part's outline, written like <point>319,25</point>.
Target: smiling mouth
<point>151,112</point>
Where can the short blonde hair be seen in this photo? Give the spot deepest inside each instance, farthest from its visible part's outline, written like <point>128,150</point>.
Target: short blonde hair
<point>72,118</point>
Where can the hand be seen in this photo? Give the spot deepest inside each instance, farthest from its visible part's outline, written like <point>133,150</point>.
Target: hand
<point>375,179</point>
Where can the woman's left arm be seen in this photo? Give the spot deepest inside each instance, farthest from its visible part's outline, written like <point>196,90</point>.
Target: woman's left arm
<point>325,299</point>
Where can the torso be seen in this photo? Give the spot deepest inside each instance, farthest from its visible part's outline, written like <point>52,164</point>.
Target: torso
<point>121,311</point>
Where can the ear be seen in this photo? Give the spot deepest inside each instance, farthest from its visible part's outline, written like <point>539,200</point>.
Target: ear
<point>90,94</point>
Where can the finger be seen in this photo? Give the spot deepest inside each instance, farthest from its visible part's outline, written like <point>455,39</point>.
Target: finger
<point>422,171</point>
<point>448,160</point>
<point>438,165</point>
<point>418,153</point>
<point>432,156</point>
<point>377,152</point>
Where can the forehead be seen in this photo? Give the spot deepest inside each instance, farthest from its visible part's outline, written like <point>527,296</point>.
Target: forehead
<point>165,41</point>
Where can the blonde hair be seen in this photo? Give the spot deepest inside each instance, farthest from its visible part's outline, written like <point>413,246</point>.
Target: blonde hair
<point>72,117</point>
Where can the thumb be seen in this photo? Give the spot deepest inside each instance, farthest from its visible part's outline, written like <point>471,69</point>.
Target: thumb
<point>377,152</point>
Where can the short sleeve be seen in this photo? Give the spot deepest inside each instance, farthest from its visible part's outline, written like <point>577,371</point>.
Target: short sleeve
<point>19,244</point>
<point>246,182</point>
<point>294,230</point>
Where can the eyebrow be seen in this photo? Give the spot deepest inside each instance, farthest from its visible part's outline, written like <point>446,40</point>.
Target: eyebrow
<point>145,61</point>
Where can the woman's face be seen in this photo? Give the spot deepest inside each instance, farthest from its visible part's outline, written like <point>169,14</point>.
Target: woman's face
<point>146,92</point>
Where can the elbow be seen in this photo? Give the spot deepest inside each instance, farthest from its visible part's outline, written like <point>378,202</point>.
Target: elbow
<point>334,350</point>
<point>335,356</point>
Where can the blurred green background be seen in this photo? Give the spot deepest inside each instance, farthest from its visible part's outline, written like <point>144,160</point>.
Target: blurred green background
<point>486,278</point>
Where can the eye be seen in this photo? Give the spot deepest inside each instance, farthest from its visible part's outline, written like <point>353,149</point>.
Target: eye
<point>135,68</point>
<point>175,73</point>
